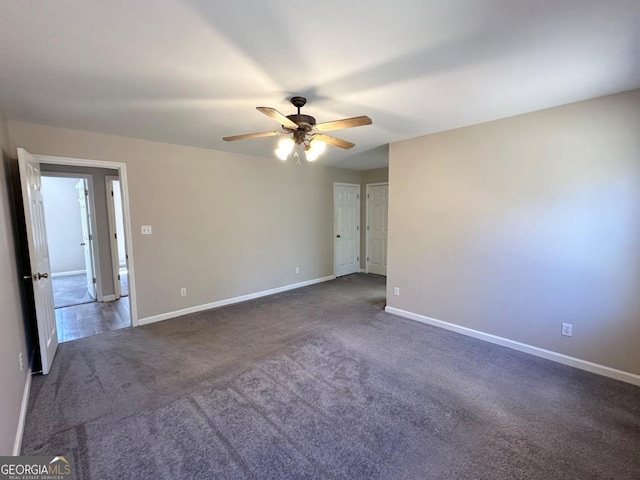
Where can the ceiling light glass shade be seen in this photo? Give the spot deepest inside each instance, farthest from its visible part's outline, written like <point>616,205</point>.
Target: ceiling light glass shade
<point>285,146</point>
<point>318,146</point>
<point>282,154</point>
<point>315,149</point>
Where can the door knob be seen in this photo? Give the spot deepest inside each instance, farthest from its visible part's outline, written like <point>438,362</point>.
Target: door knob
<point>337,236</point>
<point>42,275</point>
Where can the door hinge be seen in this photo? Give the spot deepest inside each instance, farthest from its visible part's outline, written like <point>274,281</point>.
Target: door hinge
<point>127,256</point>
<point>86,193</point>
<point>358,227</point>
<point>358,259</point>
<point>90,237</point>
<point>368,196</point>
<point>94,280</point>
<point>115,235</point>
<point>367,259</point>
<point>118,276</point>
<point>367,227</point>
<point>112,193</point>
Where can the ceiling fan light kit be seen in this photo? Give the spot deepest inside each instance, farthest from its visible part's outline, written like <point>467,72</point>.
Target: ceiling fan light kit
<point>285,147</point>
<point>304,132</point>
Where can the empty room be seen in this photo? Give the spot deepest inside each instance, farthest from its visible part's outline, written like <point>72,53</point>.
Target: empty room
<point>347,240</point>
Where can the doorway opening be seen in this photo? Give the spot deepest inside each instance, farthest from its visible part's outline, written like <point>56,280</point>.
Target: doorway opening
<point>70,220</point>
<point>84,216</point>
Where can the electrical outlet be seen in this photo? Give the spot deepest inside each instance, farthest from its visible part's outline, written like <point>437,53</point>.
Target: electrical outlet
<point>20,359</point>
<point>146,229</point>
<point>567,329</point>
<point>183,292</point>
<point>396,291</point>
<point>297,270</point>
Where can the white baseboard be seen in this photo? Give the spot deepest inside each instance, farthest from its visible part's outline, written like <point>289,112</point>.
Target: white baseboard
<point>523,347</point>
<point>66,274</point>
<point>107,298</point>
<point>229,301</point>
<point>17,445</point>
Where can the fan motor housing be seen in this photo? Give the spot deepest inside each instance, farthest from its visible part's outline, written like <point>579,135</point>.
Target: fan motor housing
<point>304,121</point>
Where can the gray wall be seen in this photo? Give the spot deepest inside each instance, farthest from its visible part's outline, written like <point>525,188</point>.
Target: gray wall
<point>103,245</point>
<point>12,330</point>
<point>64,227</point>
<point>375,158</point>
<point>224,225</point>
<point>514,226</point>
<point>377,175</point>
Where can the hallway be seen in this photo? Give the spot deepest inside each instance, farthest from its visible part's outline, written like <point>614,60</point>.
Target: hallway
<point>84,320</point>
<point>78,315</point>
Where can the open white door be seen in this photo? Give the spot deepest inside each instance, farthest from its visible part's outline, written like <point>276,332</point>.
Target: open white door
<point>377,220</point>
<point>87,236</point>
<point>116,240</point>
<point>38,256</point>
<point>346,204</point>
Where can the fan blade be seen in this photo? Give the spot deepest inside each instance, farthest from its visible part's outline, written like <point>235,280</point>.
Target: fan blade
<point>278,117</point>
<point>344,123</point>
<point>251,135</point>
<point>336,142</point>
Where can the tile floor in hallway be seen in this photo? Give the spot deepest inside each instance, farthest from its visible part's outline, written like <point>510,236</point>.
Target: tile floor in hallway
<point>79,321</point>
<point>78,315</point>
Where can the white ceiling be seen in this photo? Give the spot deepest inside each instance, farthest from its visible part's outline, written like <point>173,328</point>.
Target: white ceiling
<point>190,71</point>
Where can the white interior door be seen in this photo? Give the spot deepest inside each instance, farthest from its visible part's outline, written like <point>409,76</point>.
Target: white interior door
<point>120,228</point>
<point>377,228</point>
<point>114,237</point>
<point>346,205</point>
<point>87,236</point>
<point>39,256</point>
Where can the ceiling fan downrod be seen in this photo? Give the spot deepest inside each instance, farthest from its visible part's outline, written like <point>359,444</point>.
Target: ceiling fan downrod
<point>298,102</point>
<point>304,123</point>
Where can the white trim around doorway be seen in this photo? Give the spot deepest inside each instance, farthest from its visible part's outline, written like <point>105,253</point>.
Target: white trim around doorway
<point>124,186</point>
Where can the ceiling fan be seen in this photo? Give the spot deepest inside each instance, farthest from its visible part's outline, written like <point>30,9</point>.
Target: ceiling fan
<point>304,131</point>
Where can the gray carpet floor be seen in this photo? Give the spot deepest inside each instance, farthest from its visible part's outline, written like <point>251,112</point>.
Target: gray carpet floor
<point>320,383</point>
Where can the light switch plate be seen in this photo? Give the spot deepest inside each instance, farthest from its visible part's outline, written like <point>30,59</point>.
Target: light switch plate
<point>146,229</point>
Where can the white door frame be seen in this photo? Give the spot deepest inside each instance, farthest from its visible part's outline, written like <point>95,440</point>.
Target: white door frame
<point>124,188</point>
<point>335,230</point>
<point>94,225</point>
<point>366,210</point>
<point>113,238</point>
